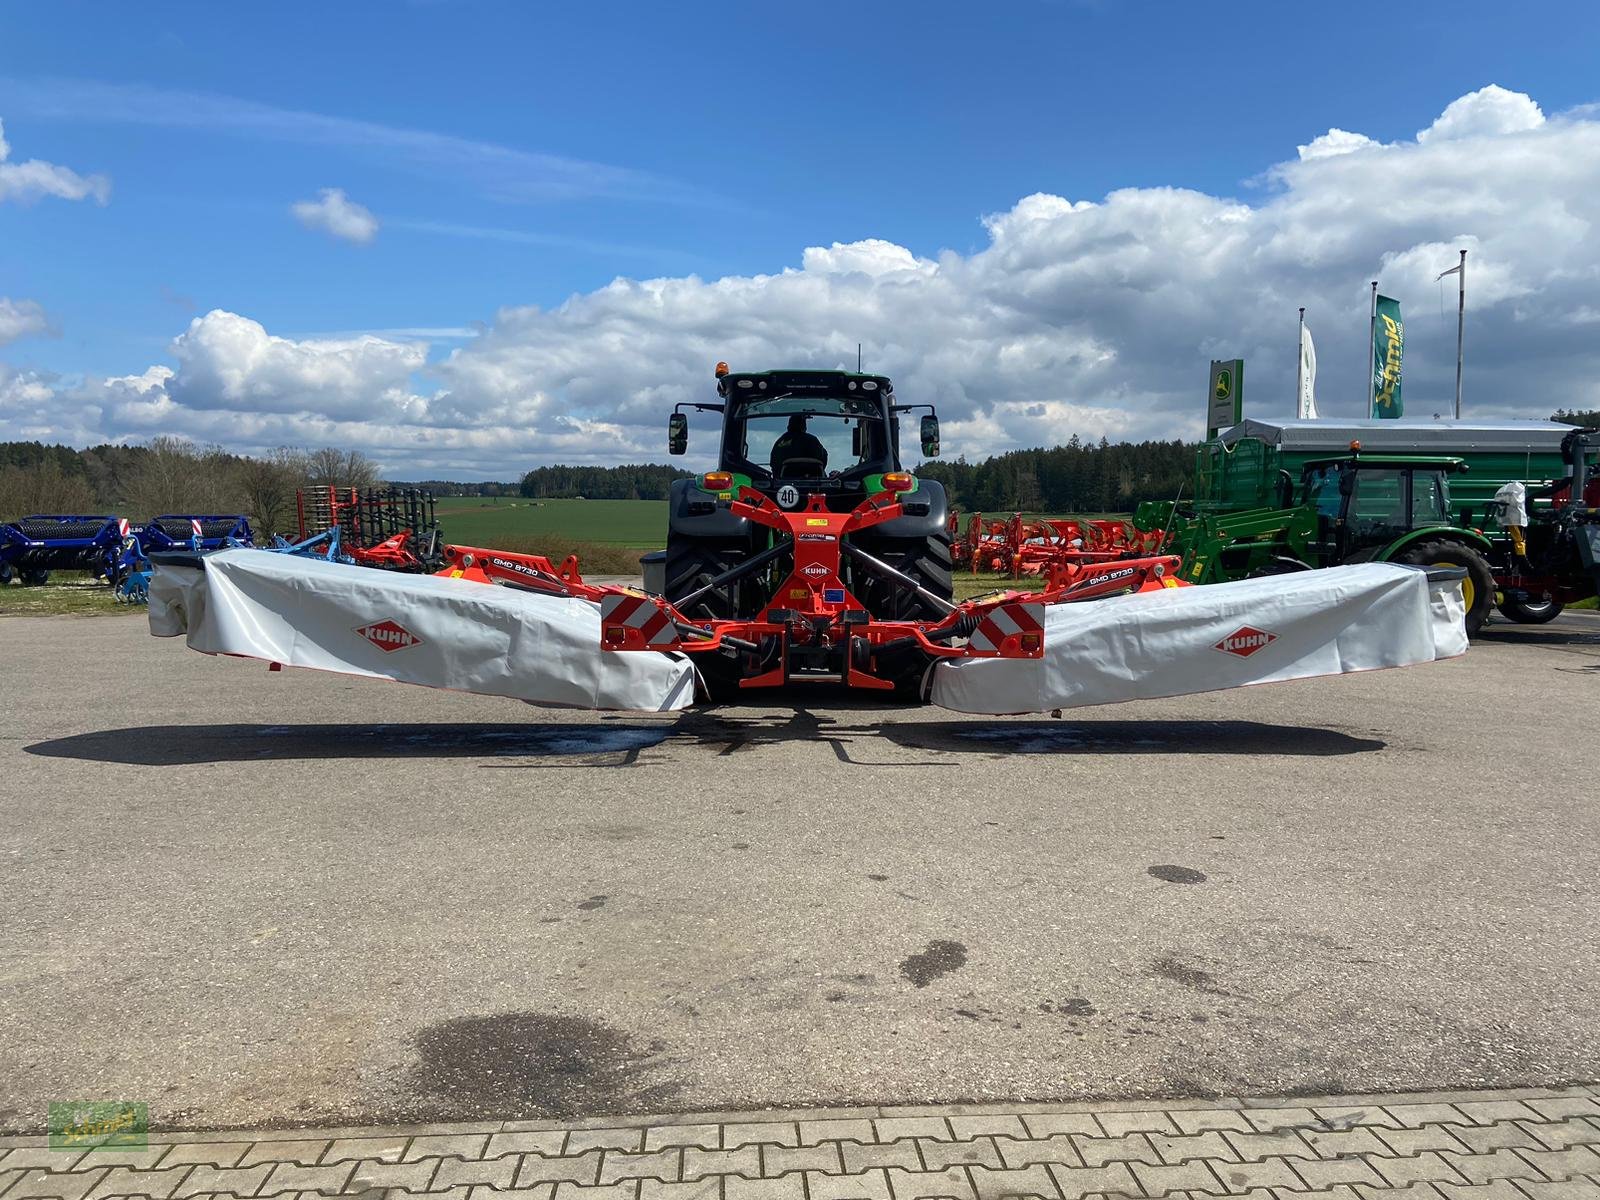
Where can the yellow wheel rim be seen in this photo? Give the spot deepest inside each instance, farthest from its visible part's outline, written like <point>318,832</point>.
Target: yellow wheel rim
<point>1469,592</point>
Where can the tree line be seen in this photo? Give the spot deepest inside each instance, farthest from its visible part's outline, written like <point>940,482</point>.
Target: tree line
<point>646,481</point>
<point>172,475</point>
<point>1077,477</point>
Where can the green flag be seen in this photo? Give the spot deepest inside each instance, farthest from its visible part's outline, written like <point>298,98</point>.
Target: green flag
<point>1388,340</point>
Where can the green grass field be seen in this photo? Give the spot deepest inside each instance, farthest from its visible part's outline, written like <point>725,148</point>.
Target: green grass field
<point>471,521</point>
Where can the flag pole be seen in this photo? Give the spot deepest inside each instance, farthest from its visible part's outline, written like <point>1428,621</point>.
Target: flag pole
<point>1372,348</point>
<point>1300,369</point>
<point>1461,325</point>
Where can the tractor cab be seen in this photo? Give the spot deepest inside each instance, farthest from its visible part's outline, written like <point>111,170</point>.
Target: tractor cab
<point>1369,502</point>
<point>796,433</point>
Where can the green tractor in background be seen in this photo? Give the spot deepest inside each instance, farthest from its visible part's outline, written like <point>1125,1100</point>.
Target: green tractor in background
<point>1352,508</point>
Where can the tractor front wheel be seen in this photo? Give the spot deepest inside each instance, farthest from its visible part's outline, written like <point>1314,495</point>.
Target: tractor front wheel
<point>1477,589</point>
<point>1530,612</point>
<point>34,576</point>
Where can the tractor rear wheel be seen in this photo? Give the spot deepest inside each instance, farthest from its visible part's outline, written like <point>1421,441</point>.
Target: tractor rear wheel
<point>34,576</point>
<point>927,560</point>
<point>1477,589</point>
<point>691,564</point>
<point>1530,612</point>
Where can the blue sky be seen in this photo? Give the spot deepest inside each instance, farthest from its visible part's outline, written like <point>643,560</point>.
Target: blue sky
<point>519,154</point>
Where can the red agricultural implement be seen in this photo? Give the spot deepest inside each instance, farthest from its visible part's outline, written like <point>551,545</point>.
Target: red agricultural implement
<point>390,528</point>
<point>1016,547</point>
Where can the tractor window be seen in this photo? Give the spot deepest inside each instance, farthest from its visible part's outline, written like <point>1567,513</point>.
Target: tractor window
<point>850,432</point>
<point>1430,500</point>
<point>1378,508</point>
<point>1322,491</point>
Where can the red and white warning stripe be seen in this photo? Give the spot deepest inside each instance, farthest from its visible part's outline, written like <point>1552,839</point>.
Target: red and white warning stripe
<point>194,524</point>
<point>1008,621</point>
<point>641,613</point>
<point>122,526</point>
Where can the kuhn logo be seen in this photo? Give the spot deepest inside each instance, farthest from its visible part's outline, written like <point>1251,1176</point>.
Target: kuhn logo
<point>388,636</point>
<point>815,570</point>
<point>1245,641</point>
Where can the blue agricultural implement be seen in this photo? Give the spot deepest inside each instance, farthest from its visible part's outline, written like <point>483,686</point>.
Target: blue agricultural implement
<point>36,545</point>
<point>173,531</point>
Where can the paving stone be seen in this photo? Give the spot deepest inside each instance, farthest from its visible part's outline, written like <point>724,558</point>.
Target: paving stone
<point>1285,1143</point>
<point>1418,1168</point>
<point>1342,1143</point>
<point>579,1140</point>
<point>856,1129</point>
<point>1201,1120</point>
<point>456,1172</point>
<point>1558,1135</point>
<point>1077,1182</point>
<point>1560,1107</point>
<point>1487,1112</point>
<point>1027,1181</point>
<point>548,1142</point>
<point>786,1187</point>
<point>126,1181</point>
<point>1412,1191</point>
<point>1352,1116</point>
<point>1324,1173</point>
<point>902,1154</point>
<point>780,1160</point>
<point>140,1158</point>
<point>949,1184</point>
<point>1184,1177</point>
<point>1507,1135</point>
<point>1565,1189</point>
<point>372,1174</point>
<point>73,1185</point>
<point>1564,1164</point>
<point>24,1157</point>
<point>869,1185</point>
<point>1421,1139</point>
<point>1341,1192</point>
<point>211,1154</point>
<point>577,1168</point>
<point>1184,1147</point>
<point>1265,1120</point>
<point>658,1137</point>
<point>1057,1148</point>
<point>1413,1115</point>
<point>288,1176</point>
<point>539,1191</point>
<point>1133,1147</point>
<point>204,1178</point>
<point>627,1189</point>
<point>664,1165</point>
<point>700,1189</point>
<point>360,1149</point>
<point>891,1129</point>
<point>1499,1189</point>
<point>994,1125</point>
<point>760,1133</point>
<point>307,1154</point>
<point>1251,1176</point>
<point>936,1156</point>
<point>1119,1124</point>
<point>1047,1124</point>
<point>698,1163</point>
<point>1484,1168</point>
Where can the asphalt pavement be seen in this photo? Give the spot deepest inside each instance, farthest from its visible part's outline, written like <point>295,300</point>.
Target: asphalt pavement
<point>263,898</point>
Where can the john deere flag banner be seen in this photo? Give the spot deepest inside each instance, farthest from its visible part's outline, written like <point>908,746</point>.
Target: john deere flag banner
<point>1388,340</point>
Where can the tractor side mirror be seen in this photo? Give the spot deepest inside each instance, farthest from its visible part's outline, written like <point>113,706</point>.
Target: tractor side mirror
<point>930,436</point>
<point>677,434</point>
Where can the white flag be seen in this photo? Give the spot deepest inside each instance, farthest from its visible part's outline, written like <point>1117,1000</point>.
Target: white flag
<point>1308,376</point>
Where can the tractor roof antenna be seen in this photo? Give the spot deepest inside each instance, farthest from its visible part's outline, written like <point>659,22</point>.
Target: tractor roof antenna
<point>858,358</point>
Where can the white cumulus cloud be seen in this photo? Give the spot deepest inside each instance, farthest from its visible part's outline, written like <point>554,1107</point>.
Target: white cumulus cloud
<point>26,182</point>
<point>1093,317</point>
<point>20,319</point>
<point>334,213</point>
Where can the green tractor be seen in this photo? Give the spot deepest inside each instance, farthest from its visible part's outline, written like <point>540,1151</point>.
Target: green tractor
<point>1353,508</point>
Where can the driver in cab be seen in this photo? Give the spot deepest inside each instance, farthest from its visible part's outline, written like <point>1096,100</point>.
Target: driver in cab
<point>798,453</point>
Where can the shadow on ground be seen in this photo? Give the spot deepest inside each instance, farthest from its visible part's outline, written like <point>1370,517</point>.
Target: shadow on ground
<point>620,741</point>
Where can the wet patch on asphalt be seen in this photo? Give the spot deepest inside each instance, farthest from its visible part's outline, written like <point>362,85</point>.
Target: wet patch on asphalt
<point>593,902</point>
<point>1171,873</point>
<point>1191,977</point>
<point>937,959</point>
<point>529,1062</point>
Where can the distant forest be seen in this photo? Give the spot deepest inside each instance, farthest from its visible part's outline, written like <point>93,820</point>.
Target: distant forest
<point>633,482</point>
